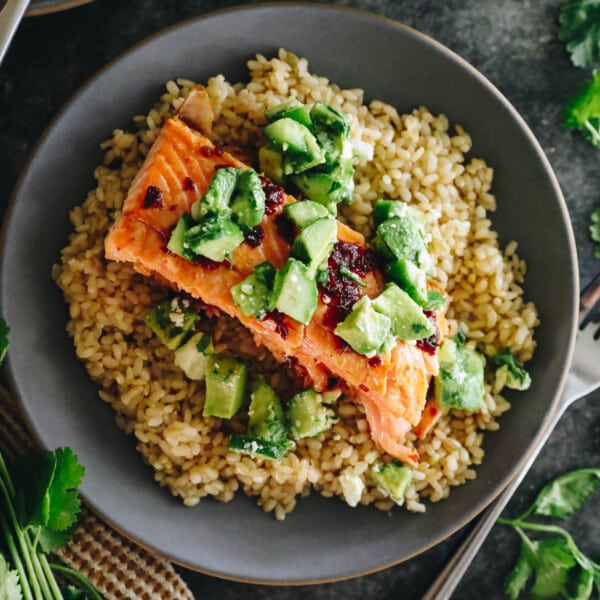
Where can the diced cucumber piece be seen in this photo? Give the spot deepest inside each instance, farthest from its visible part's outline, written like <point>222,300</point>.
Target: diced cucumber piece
<point>217,196</point>
<point>435,300</point>
<point>270,161</point>
<point>325,116</point>
<point>265,274</point>
<point>307,416</point>
<point>249,444</point>
<point>176,241</point>
<point>401,237</point>
<point>408,321</point>
<point>225,386</point>
<point>248,200</point>
<point>365,329</point>
<point>300,147</point>
<point>319,187</point>
<point>252,297</point>
<point>305,212</point>
<point>192,357</point>
<point>410,278</point>
<point>266,417</point>
<point>293,109</point>
<point>386,209</point>
<point>314,243</point>
<point>459,384</point>
<point>214,237</point>
<point>392,478</point>
<point>172,321</point>
<point>295,291</point>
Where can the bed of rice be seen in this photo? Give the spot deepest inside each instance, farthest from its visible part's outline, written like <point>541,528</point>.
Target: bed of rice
<point>417,158</point>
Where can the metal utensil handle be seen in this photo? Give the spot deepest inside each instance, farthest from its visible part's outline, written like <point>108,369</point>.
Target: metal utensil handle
<point>10,17</point>
<point>448,579</point>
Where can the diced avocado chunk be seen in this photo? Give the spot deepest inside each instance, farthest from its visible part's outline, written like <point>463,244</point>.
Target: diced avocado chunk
<point>402,237</point>
<point>225,386</point>
<point>392,478</point>
<point>459,384</point>
<point>248,200</point>
<point>319,187</point>
<point>511,370</point>
<point>214,237</point>
<point>307,416</point>
<point>252,297</point>
<point>315,242</point>
<point>177,239</point>
<point>365,329</point>
<point>266,417</point>
<point>300,147</point>
<point>305,212</point>
<point>249,444</point>
<point>172,321</point>
<point>292,109</point>
<point>217,196</point>
<point>192,357</point>
<point>408,319</point>
<point>270,161</point>
<point>294,291</point>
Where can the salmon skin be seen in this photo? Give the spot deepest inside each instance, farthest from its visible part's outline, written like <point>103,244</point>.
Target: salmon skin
<point>176,173</point>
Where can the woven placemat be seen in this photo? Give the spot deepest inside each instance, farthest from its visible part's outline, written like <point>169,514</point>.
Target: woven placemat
<point>116,566</point>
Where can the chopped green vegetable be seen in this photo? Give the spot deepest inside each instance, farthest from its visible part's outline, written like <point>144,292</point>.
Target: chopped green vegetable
<point>595,230</point>
<point>256,446</point>
<point>559,568</point>
<point>459,384</point>
<point>172,321</point>
<point>226,380</point>
<point>214,237</point>
<point>248,200</point>
<point>39,505</point>
<point>582,110</point>
<point>392,478</point>
<point>4,331</point>
<point>511,370</point>
<point>295,291</point>
<point>307,416</point>
<point>580,29</point>
<point>217,196</point>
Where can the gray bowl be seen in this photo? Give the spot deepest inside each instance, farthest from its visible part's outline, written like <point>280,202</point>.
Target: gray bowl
<point>323,539</point>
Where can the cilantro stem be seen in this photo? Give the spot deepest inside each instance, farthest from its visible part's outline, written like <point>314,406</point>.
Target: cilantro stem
<point>21,539</point>
<point>593,131</point>
<point>81,579</point>
<point>15,557</point>
<point>56,593</point>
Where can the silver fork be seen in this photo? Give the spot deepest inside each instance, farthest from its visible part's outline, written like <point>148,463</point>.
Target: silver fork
<point>583,378</point>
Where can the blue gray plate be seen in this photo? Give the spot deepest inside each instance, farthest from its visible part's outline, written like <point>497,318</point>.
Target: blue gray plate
<point>323,539</point>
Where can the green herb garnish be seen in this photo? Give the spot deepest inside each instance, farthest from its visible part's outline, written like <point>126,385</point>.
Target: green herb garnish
<point>580,29</point>
<point>558,567</point>
<point>582,110</point>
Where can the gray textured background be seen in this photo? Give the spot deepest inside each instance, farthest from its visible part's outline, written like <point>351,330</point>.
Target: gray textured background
<point>514,43</point>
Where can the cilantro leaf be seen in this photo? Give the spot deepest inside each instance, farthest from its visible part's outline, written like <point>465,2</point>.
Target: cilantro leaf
<point>554,561</point>
<point>33,474</point>
<point>64,500</point>
<point>516,580</point>
<point>580,29</point>
<point>584,585</point>
<point>9,582</point>
<point>4,329</point>
<point>595,230</point>
<point>565,494</point>
<point>582,110</point>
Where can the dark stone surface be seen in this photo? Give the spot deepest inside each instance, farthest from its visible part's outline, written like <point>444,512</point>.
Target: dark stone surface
<point>514,43</point>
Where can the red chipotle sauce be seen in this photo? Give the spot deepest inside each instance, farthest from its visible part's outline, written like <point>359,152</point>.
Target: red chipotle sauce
<point>153,198</point>
<point>430,344</point>
<point>341,292</point>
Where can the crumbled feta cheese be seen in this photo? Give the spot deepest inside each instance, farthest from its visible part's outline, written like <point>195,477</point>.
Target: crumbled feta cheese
<point>352,486</point>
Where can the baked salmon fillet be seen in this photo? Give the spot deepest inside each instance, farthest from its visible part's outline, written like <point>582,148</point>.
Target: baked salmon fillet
<point>392,387</point>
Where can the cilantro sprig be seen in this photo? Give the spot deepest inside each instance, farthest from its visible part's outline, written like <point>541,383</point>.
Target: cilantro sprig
<point>580,30</point>
<point>558,567</point>
<point>582,109</point>
<point>39,506</point>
